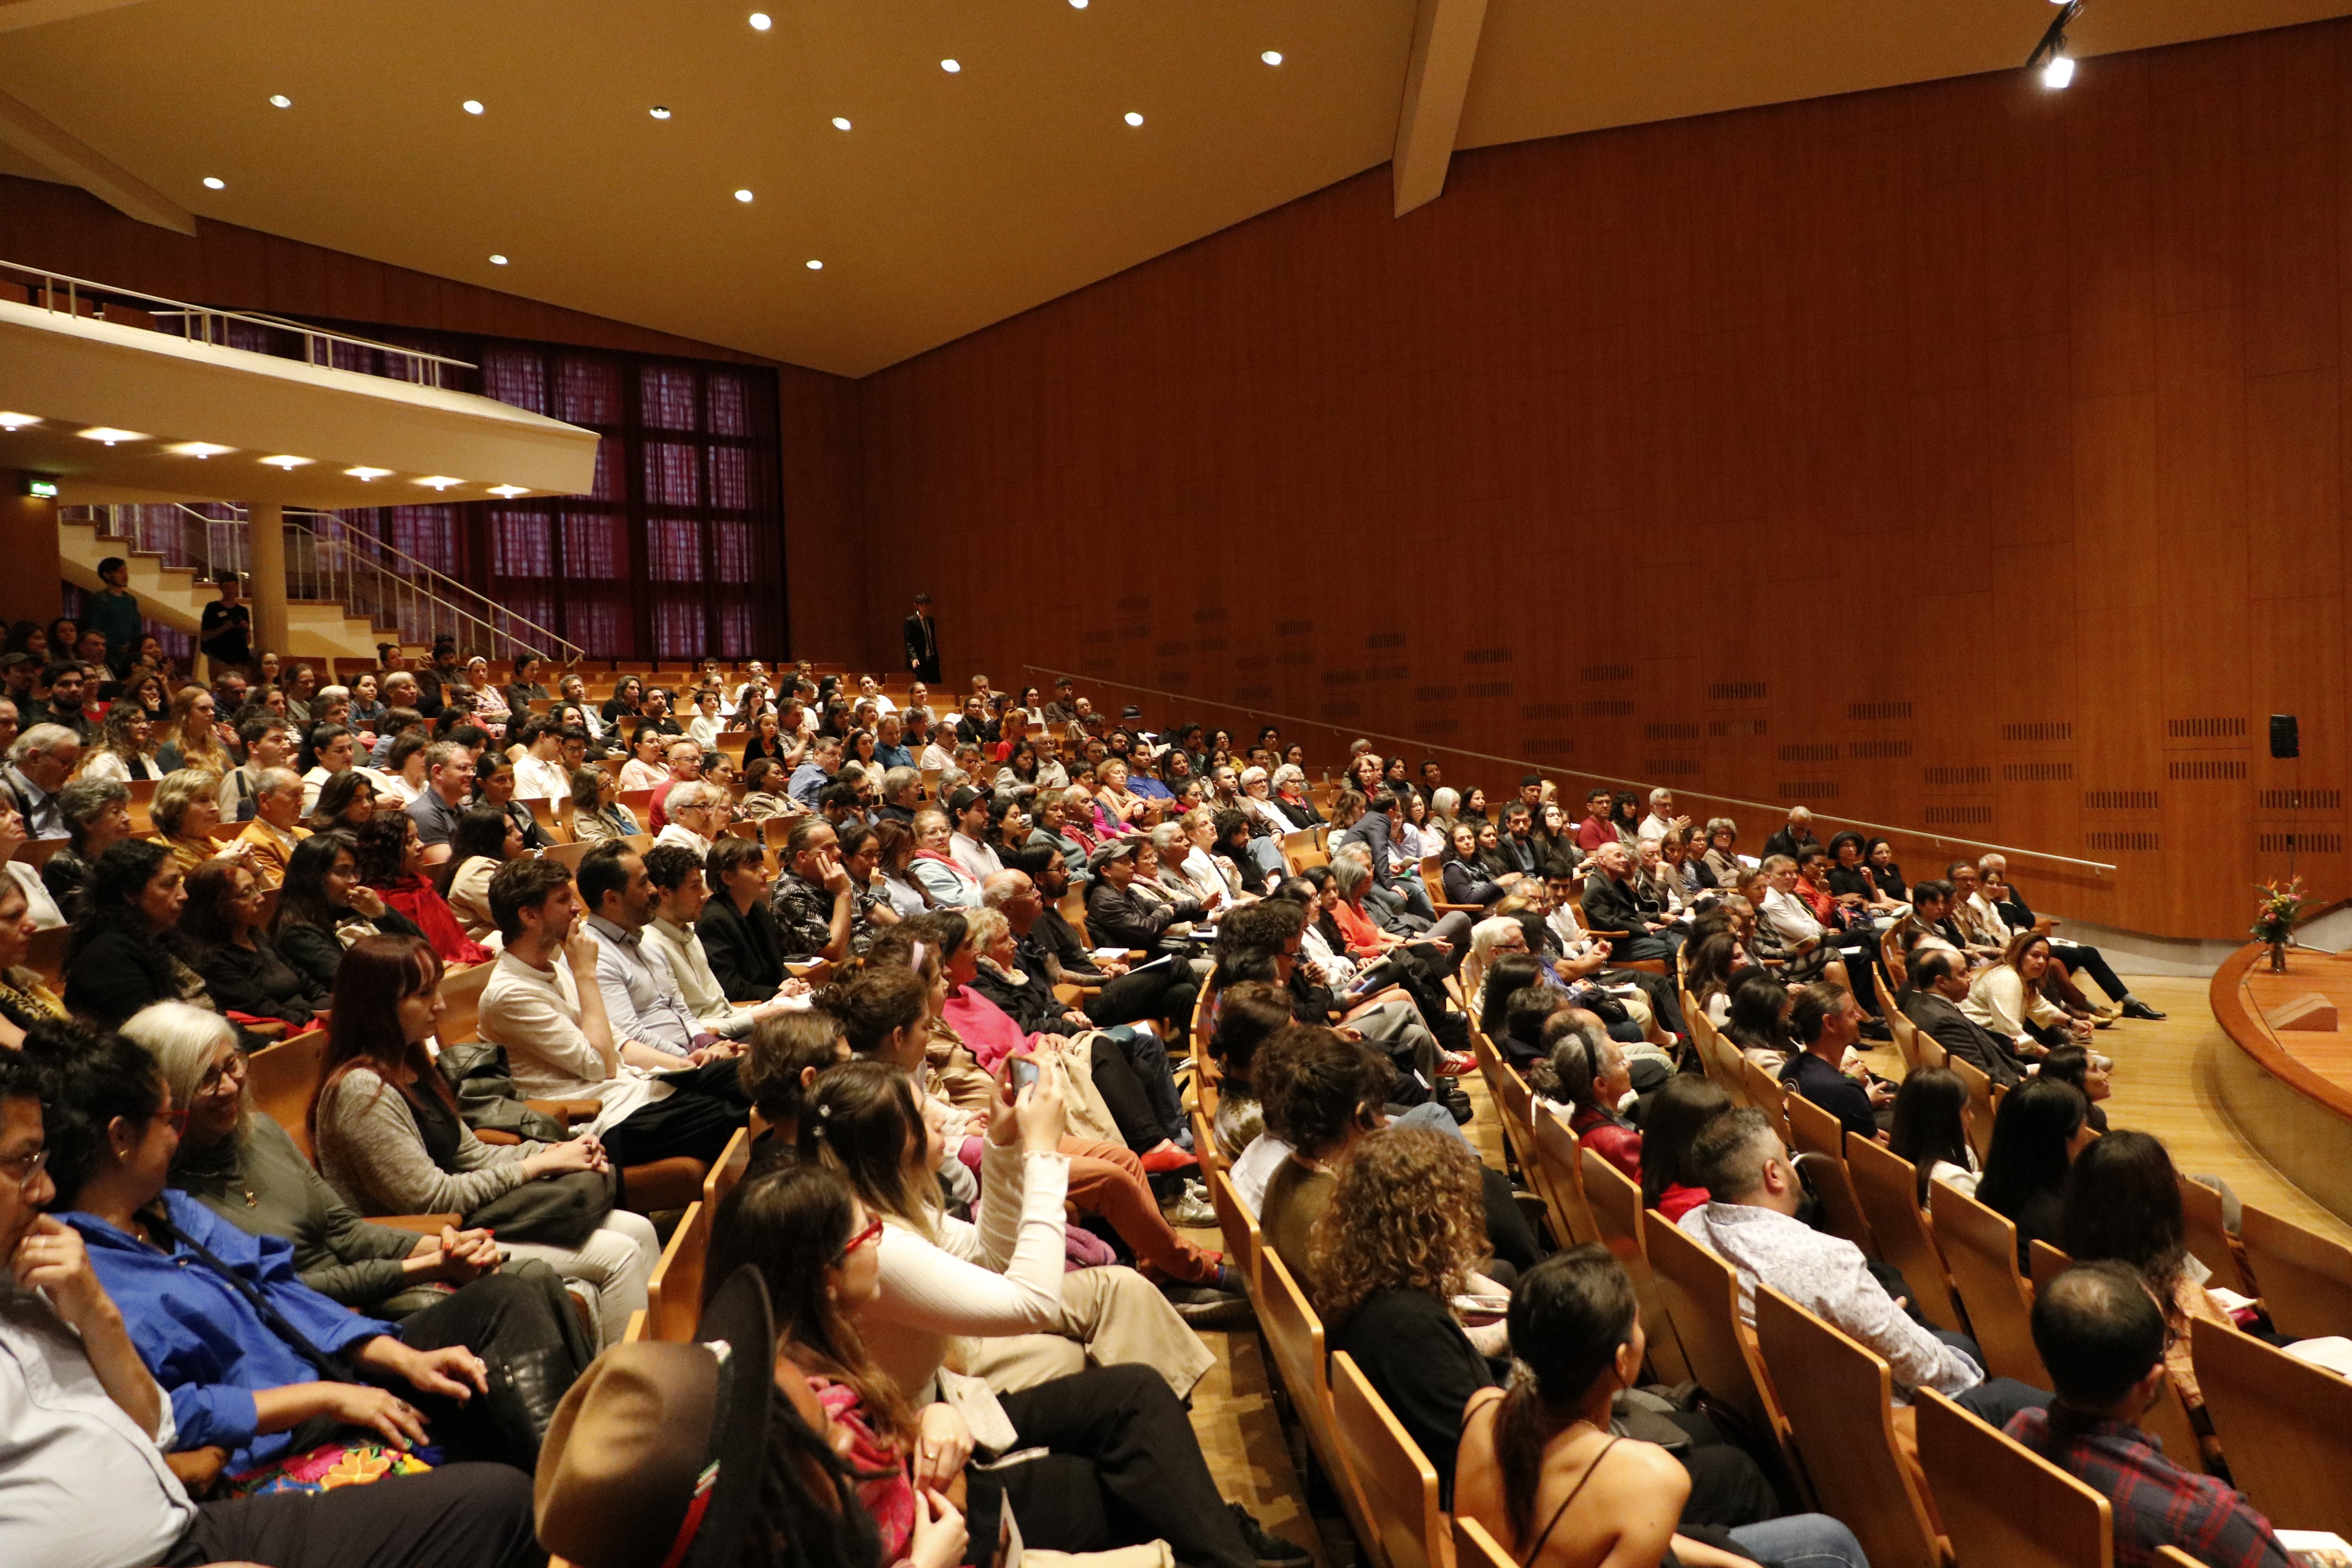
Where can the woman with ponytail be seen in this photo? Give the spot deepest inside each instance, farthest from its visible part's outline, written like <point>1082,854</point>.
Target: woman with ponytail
<point>1539,1467</point>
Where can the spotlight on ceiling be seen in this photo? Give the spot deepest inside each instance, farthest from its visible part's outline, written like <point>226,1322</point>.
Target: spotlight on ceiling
<point>284,460</point>
<point>13,422</point>
<point>279,101</point>
<point>951,65</point>
<point>498,260</point>
<point>1132,118</point>
<point>841,123</point>
<point>814,265</point>
<point>762,22</point>
<point>198,449</point>
<point>508,492</point>
<point>2049,54</point>
<point>659,111</point>
<point>364,474</point>
<point>472,106</point>
<point>107,435</point>
<point>215,183</point>
<point>1272,56</point>
<point>742,196</point>
<point>439,481</point>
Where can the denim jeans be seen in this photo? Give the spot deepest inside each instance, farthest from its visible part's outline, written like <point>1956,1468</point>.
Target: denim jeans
<point>1802,1540</point>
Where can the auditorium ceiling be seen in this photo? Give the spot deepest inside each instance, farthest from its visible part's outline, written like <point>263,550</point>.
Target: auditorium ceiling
<point>436,134</point>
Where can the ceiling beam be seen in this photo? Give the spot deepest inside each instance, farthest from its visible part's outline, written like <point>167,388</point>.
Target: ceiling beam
<point>1444,47</point>
<point>17,14</point>
<point>76,162</point>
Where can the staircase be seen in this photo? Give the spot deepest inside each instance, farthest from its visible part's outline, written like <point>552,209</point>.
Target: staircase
<point>346,590</point>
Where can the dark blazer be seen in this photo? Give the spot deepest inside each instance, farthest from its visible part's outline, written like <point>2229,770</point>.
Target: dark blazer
<point>746,952</point>
<point>1032,1004</point>
<point>1963,1038</point>
<point>1119,918</point>
<point>1466,883</point>
<point>1525,856</point>
<point>1786,842</point>
<point>1610,905</point>
<point>922,637</point>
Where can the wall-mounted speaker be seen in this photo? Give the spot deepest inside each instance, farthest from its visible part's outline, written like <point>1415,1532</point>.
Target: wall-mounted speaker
<point>2286,739</point>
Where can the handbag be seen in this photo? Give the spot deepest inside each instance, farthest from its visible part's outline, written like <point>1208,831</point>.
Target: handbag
<point>553,1211</point>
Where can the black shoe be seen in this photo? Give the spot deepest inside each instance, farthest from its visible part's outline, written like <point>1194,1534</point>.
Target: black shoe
<point>1876,1029</point>
<point>1270,1550</point>
<point>1203,1308</point>
<point>2135,1009</point>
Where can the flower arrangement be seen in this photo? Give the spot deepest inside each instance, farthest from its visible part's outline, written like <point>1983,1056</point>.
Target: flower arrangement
<point>2275,916</point>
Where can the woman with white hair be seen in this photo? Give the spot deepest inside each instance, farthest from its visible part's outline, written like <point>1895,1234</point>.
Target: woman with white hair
<point>1256,801</point>
<point>1488,937</point>
<point>1290,797</point>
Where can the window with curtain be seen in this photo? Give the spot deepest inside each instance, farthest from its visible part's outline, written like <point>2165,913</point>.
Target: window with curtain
<point>675,552</point>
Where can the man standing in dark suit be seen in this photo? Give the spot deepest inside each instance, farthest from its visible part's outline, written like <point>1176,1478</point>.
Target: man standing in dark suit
<point>1942,979</point>
<point>923,640</point>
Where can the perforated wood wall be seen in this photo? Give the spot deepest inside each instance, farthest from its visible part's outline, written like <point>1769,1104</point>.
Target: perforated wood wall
<point>1962,457</point>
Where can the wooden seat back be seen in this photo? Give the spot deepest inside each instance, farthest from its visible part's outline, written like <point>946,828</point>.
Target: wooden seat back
<point>1560,1160</point>
<point>1701,1293</point>
<point>1244,1243</point>
<point>283,1077</point>
<point>728,1173</point>
<point>1980,1106</point>
<point>45,955</point>
<point>461,1003</point>
<point>1293,1341</point>
<point>2306,1278</point>
<point>2003,1504</point>
<point>1765,1093</point>
<point>2167,1418</point>
<point>1304,848</point>
<point>674,1294</point>
<point>568,856</point>
<point>1399,1484</point>
<point>2285,1424</point>
<point>1616,1204</point>
<point>1840,1401</point>
<point>1979,1247</point>
<point>1841,1207</point>
<point>2208,1235</point>
<point>1474,1547</point>
<point>1811,1130</point>
<point>1885,1186</point>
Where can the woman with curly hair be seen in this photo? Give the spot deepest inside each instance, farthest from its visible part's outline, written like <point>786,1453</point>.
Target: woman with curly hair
<point>1403,1237</point>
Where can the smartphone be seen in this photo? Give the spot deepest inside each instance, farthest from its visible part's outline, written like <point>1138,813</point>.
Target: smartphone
<point>1025,1073</point>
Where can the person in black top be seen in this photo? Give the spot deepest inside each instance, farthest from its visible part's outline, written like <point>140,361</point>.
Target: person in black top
<point>737,927</point>
<point>2040,1127</point>
<point>1825,1022</point>
<point>1879,856</point>
<point>922,637</point>
<point>1939,980</point>
<point>226,632</point>
<point>1117,918</point>
<point>123,954</point>
<point>1796,836</point>
<point>322,904</point>
<point>242,967</point>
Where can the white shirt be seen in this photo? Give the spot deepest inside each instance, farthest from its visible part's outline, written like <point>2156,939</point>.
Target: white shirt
<point>637,773</point>
<point>705,731</point>
<point>1653,826</point>
<point>1790,918</point>
<point>1256,1167</point>
<point>106,766</point>
<point>684,838</point>
<point>978,859</point>
<point>534,1015</point>
<point>41,908</point>
<point>689,966</point>
<point>935,759</point>
<point>542,778</point>
<point>80,1485</point>
<point>1828,1277</point>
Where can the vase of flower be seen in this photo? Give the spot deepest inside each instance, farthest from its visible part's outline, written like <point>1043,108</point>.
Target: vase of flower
<point>2275,919</point>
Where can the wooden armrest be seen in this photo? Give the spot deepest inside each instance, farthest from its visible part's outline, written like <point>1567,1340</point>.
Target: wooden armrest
<point>197,1469</point>
<point>565,1110</point>
<point>492,1135</point>
<point>422,1224</point>
<point>274,1029</point>
<point>1137,955</point>
<point>1461,909</point>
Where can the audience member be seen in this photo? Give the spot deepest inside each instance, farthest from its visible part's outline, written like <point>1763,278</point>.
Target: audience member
<point>2038,1130</point>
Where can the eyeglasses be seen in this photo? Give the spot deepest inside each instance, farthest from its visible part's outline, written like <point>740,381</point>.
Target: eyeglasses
<point>872,1231</point>
<point>215,1076</point>
<point>22,1167</point>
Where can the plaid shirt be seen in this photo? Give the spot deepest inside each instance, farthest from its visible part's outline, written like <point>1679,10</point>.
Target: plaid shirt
<point>2155,1502</point>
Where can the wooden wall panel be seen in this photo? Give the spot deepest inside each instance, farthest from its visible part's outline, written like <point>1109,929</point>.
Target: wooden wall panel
<point>1696,452</point>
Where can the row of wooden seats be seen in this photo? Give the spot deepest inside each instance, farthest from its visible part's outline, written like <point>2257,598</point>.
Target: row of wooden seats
<point>673,1293</point>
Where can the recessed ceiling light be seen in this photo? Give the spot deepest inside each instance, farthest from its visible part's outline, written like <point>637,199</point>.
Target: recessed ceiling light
<point>108,435</point>
<point>659,111</point>
<point>472,106</point>
<point>498,260</point>
<point>814,265</point>
<point>841,123</point>
<point>18,421</point>
<point>1133,118</point>
<point>1272,56</point>
<point>285,460</point>
<point>215,183</point>
<point>1077,4</point>
<point>439,481</point>
<point>363,474</point>
<point>199,449</point>
<point>279,101</point>
<point>951,67</point>
<point>761,22</point>
<point>510,491</point>
<point>742,196</point>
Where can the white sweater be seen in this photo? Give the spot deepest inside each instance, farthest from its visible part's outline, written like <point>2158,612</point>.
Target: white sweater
<point>1002,1276</point>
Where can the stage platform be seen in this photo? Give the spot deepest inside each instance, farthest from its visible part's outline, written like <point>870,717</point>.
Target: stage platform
<point>2287,1089</point>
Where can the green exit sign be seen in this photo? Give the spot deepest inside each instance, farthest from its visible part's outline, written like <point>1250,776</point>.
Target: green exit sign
<point>41,489</point>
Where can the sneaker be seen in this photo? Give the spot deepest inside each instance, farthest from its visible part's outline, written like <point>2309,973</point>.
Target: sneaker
<point>1205,1307</point>
<point>1453,1064</point>
<point>1191,1212</point>
<point>1270,1550</point>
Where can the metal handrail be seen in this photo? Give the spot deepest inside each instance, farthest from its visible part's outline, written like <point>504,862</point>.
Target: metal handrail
<point>553,646</point>
<point>315,340</point>
<point>1522,763</point>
